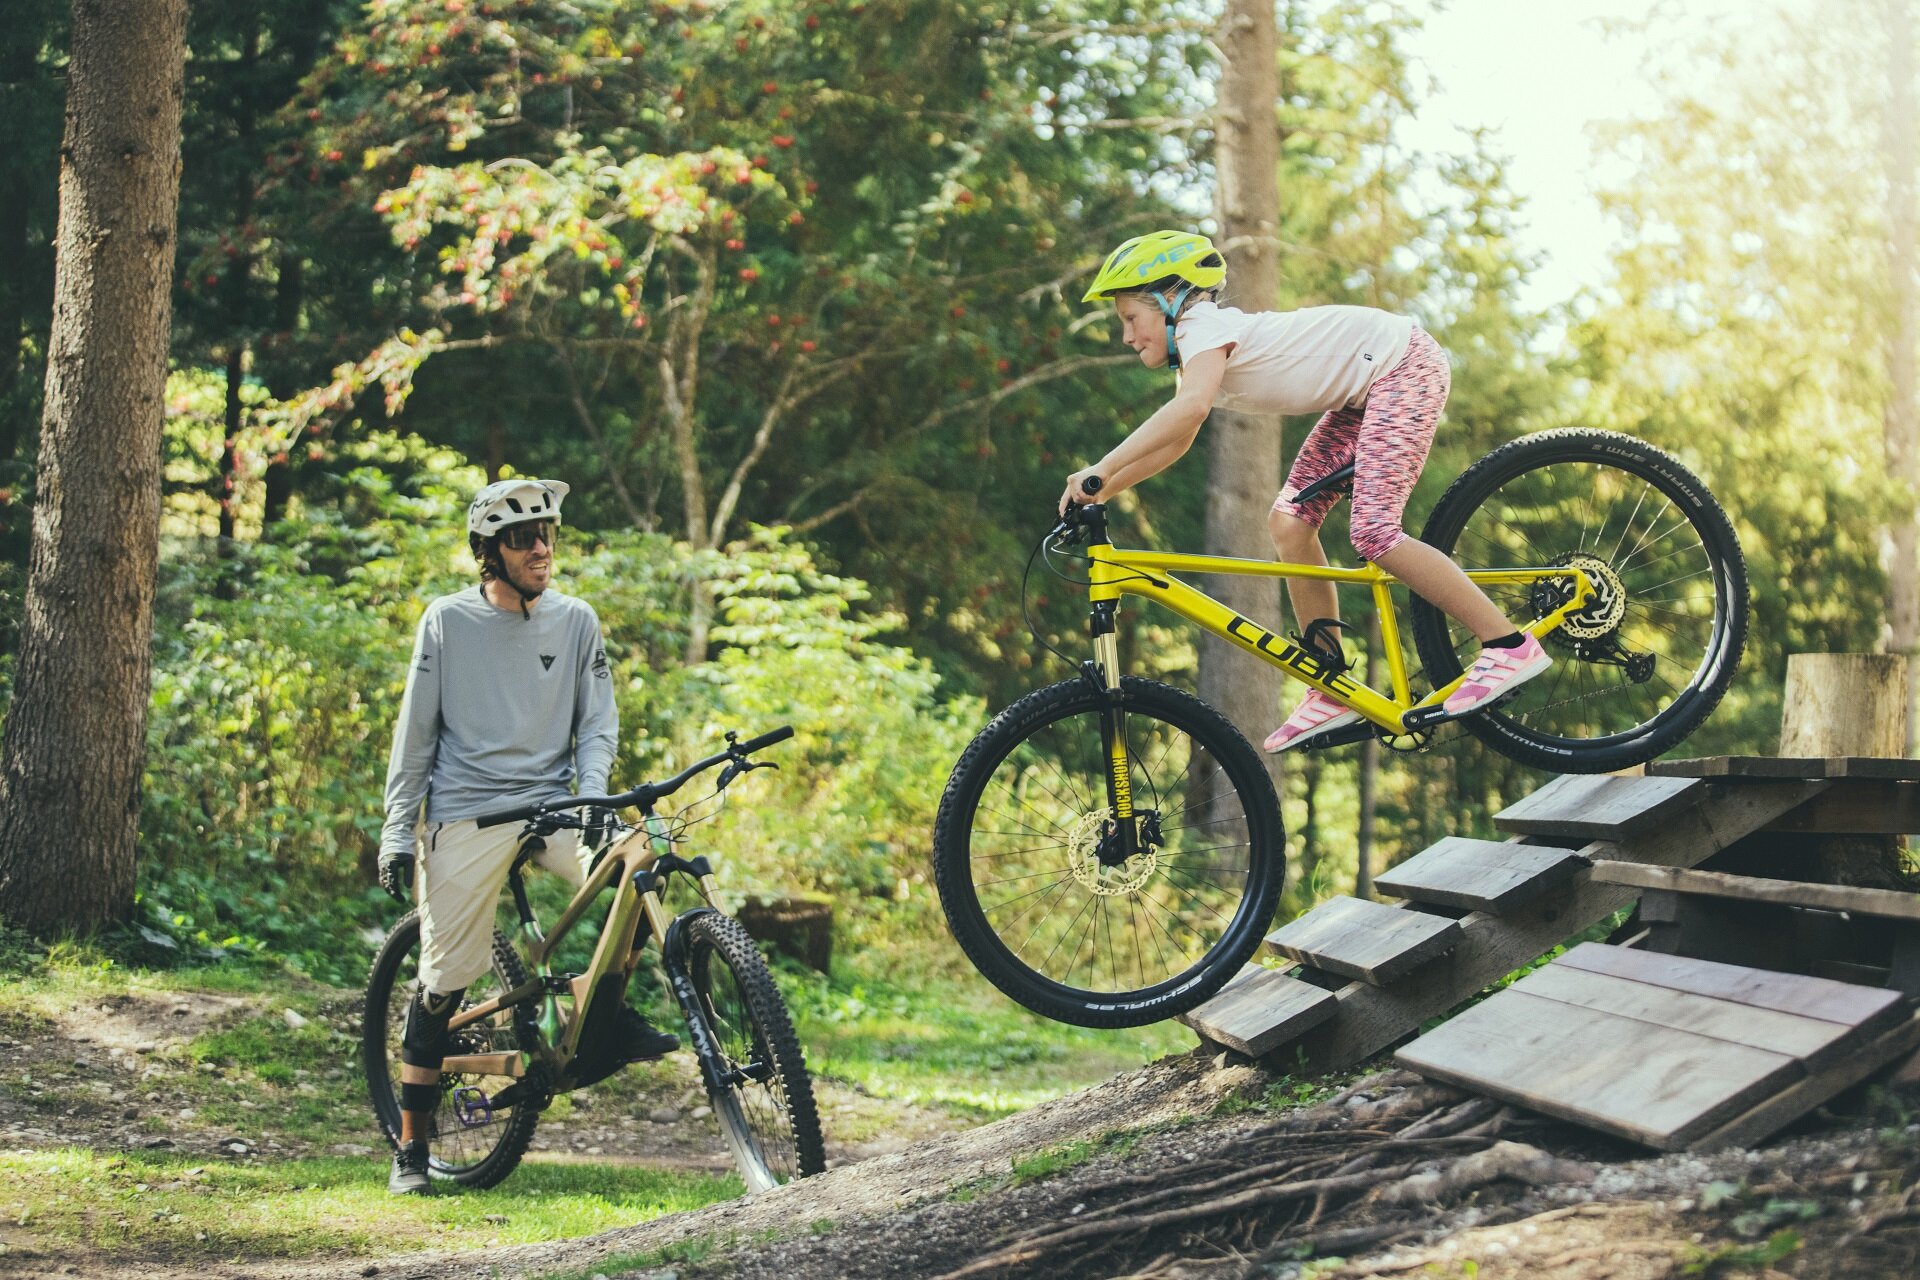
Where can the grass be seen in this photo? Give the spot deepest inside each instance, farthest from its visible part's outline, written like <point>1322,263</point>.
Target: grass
<point>953,1045</point>
<point>172,1206</point>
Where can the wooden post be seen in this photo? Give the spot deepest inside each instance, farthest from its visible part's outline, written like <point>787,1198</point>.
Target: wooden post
<point>1845,704</point>
<point>1849,704</point>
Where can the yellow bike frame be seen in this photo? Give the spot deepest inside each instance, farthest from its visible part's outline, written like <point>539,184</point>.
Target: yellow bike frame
<point>1117,572</point>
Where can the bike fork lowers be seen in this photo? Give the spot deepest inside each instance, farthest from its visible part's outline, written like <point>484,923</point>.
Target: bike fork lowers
<point>1125,836</point>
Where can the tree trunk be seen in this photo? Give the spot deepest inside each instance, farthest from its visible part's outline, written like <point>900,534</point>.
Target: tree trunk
<point>1902,416</point>
<point>75,737</point>
<point>1243,450</point>
<point>282,384</point>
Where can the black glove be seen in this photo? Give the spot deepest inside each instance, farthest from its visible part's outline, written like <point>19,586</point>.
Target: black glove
<point>599,828</point>
<point>396,874</point>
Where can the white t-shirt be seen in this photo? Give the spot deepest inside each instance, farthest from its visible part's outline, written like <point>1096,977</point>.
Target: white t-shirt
<point>1306,361</point>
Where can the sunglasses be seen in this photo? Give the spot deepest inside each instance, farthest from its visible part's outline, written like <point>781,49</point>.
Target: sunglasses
<point>521,537</point>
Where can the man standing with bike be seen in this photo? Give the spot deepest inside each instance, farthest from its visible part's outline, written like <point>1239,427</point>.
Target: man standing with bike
<point>508,701</point>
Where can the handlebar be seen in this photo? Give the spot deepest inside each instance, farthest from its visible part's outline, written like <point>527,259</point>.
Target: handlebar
<point>647,793</point>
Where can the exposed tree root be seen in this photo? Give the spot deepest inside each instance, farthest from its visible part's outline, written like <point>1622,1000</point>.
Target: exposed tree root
<point>1350,1174</point>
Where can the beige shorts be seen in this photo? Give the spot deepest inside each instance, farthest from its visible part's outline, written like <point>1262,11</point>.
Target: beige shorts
<point>462,870</point>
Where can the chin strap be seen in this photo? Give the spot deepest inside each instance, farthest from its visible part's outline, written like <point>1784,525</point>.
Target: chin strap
<point>526,597</point>
<point>1172,310</point>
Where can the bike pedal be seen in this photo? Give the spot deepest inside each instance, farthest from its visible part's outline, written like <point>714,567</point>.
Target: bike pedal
<point>1345,735</point>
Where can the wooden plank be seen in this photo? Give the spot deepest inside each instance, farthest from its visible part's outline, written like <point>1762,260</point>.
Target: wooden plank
<point>1866,1008</point>
<point>1773,767</point>
<point>1366,940</point>
<point>1599,807</point>
<point>1814,1041</point>
<point>1887,903</point>
<point>1260,1008</point>
<point>1481,875</point>
<point>1371,1018</point>
<point>1654,1085</point>
<point>1775,1113</point>
<point>1858,807</point>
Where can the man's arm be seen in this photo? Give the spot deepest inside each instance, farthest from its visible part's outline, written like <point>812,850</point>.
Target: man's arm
<point>596,720</point>
<point>416,741</point>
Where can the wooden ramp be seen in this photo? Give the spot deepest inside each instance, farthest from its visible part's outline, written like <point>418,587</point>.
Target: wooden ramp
<point>1364,976</point>
<point>1666,1051</point>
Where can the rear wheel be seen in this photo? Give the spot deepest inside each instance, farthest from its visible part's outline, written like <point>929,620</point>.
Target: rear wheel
<point>471,1143</point>
<point>1639,668</point>
<point>764,1097</point>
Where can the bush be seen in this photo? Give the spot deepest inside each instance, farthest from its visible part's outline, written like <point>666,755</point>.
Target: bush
<point>279,669</point>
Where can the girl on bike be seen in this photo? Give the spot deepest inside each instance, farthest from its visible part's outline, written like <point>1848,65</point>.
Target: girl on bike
<point>1379,382</point>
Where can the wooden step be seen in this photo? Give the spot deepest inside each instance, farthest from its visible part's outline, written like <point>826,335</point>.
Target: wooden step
<point>1481,875</point>
<point>1867,1008</point>
<point>1663,1050</point>
<point>1366,940</point>
<point>1372,1018</point>
<point>1260,1008</point>
<point>1763,768</point>
<point>1888,904</point>
<point>1599,808</point>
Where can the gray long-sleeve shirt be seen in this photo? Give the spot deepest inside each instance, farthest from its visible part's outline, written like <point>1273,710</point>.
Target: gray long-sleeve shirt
<point>500,710</point>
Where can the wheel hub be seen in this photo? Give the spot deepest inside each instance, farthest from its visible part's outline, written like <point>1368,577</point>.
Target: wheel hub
<point>1088,840</point>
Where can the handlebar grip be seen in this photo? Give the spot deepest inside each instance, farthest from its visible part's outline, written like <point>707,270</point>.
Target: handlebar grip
<point>766,740</point>
<point>1092,484</point>
<point>507,815</point>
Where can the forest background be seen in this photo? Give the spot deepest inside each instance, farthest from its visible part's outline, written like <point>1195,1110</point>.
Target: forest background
<point>788,292</point>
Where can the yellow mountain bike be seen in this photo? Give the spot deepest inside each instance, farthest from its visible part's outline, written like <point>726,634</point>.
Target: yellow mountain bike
<point>1109,849</point>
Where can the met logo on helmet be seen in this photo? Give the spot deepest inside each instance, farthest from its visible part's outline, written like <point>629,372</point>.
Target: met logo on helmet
<point>1166,259</point>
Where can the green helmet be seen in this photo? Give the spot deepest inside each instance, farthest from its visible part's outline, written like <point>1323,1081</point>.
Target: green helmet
<point>1156,256</point>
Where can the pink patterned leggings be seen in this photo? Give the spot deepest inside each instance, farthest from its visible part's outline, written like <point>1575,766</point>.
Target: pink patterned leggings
<point>1387,439</point>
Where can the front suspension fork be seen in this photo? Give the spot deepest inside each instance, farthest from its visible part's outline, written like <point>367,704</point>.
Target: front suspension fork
<point>1113,735</point>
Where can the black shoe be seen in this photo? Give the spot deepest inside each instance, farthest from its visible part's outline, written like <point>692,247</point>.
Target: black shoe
<point>409,1175</point>
<point>635,1039</point>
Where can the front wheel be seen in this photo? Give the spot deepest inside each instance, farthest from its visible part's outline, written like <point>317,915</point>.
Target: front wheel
<point>1033,871</point>
<point>1640,667</point>
<point>761,1091</point>
<point>472,1143</point>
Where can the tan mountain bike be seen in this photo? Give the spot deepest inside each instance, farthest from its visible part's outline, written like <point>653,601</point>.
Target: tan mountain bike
<point>525,1034</point>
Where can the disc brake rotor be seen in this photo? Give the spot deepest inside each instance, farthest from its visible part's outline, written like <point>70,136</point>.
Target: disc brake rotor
<point>1601,618</point>
<point>1084,843</point>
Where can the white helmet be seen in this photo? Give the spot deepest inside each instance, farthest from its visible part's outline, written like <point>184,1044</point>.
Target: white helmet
<point>508,502</point>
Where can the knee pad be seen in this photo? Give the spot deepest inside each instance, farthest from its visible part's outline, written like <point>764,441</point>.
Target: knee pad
<point>424,1044</point>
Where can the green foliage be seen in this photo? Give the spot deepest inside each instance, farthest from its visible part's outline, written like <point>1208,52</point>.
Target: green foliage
<point>1728,1257</point>
<point>279,669</point>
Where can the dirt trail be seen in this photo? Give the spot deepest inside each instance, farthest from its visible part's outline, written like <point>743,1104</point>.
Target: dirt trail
<point>1446,1186</point>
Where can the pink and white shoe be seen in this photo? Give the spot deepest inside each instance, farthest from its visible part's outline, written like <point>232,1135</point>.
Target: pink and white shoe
<point>1496,673</point>
<point>1316,714</point>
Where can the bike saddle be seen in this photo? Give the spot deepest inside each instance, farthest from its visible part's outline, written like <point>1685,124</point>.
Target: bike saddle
<point>1340,479</point>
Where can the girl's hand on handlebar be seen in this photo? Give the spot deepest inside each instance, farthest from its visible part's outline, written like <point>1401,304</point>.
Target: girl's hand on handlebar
<point>1081,486</point>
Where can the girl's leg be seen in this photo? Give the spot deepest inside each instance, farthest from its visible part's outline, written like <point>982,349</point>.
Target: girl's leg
<point>1402,410</point>
<point>1297,542</point>
<point>1395,435</point>
<point>1295,528</point>
<point>1443,584</point>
